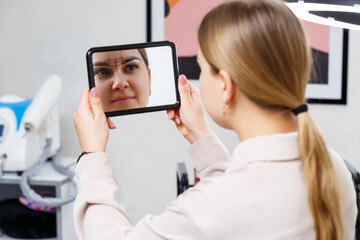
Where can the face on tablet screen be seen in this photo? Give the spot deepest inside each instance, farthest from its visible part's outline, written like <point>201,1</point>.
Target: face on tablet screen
<point>134,78</point>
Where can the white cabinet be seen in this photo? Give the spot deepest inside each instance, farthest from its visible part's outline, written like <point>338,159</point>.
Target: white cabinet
<point>50,180</point>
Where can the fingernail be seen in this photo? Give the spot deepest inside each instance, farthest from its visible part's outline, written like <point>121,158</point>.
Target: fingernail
<point>177,120</point>
<point>93,92</point>
<point>182,80</point>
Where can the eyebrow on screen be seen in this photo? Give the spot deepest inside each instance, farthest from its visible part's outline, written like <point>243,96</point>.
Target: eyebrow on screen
<point>111,62</point>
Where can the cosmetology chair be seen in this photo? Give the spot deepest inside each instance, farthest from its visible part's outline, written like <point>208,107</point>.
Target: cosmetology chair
<point>182,178</point>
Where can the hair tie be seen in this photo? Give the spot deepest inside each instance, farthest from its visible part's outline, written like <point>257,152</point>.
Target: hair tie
<point>299,109</point>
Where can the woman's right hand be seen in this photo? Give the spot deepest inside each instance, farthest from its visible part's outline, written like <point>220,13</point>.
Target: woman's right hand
<point>189,117</point>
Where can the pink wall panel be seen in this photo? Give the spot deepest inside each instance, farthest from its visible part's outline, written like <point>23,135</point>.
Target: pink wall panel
<point>318,35</point>
<point>182,23</point>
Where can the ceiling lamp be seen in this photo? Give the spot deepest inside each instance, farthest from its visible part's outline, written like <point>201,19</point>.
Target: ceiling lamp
<point>336,13</point>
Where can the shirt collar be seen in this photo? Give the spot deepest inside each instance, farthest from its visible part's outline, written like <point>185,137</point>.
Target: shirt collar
<point>275,147</point>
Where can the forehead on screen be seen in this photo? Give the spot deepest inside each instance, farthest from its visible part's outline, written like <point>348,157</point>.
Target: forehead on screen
<point>118,56</point>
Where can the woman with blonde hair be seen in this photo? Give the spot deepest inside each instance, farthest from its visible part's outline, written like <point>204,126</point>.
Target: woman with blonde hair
<point>282,181</point>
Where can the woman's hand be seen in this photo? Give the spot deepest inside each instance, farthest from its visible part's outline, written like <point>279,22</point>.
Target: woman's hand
<point>91,124</point>
<point>189,118</point>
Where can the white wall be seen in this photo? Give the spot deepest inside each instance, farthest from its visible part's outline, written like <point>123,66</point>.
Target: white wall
<point>41,37</point>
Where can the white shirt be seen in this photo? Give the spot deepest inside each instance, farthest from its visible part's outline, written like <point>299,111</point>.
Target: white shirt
<point>260,194</point>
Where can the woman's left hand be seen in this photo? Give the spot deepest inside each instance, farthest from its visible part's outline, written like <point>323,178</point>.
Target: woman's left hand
<point>91,124</point>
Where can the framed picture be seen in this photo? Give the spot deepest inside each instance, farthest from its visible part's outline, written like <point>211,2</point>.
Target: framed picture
<point>328,81</point>
<point>178,21</point>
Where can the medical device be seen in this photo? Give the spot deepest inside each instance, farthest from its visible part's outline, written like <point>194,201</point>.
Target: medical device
<point>30,135</point>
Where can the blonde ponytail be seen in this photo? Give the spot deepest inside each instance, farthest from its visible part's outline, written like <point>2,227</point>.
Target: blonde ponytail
<point>264,48</point>
<point>323,193</point>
